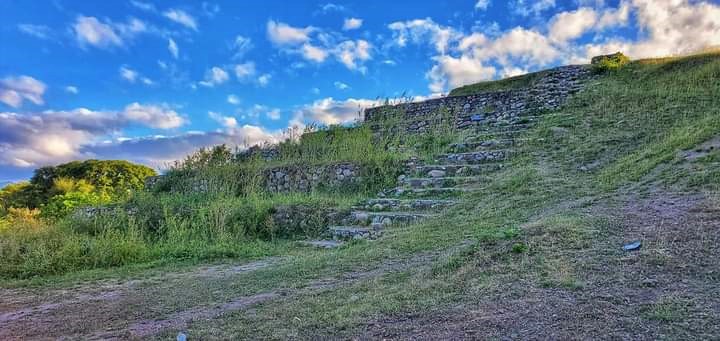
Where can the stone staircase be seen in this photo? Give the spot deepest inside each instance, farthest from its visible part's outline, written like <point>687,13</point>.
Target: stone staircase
<point>428,187</point>
<point>494,123</point>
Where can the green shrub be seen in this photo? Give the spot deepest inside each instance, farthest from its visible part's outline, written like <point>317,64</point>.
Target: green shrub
<point>611,62</point>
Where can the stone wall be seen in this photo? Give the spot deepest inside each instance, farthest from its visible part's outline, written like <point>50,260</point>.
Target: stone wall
<point>498,107</point>
<point>304,220</point>
<point>310,178</point>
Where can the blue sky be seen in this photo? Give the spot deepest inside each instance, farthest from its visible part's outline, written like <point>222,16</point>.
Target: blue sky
<point>151,81</point>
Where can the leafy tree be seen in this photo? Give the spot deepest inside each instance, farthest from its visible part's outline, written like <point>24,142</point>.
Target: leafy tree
<point>16,195</point>
<point>115,178</point>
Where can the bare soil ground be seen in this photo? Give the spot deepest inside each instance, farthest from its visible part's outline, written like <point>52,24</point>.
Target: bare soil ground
<point>145,308</point>
<point>668,289</point>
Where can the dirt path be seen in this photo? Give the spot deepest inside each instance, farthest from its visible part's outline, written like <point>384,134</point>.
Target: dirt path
<point>72,312</point>
<point>668,289</point>
<point>145,308</point>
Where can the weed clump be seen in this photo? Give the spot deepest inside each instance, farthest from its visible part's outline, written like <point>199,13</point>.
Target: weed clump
<point>610,62</point>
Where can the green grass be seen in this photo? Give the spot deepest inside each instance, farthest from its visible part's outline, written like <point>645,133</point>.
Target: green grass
<point>525,231</point>
<point>510,83</point>
<point>625,126</point>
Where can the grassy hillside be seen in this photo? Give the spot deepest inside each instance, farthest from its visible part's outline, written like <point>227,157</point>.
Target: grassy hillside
<point>538,251</point>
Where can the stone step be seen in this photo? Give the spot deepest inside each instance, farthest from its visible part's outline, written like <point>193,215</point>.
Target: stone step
<point>430,193</point>
<point>382,204</point>
<point>463,147</point>
<point>454,169</point>
<point>324,244</point>
<point>440,182</point>
<point>498,127</point>
<point>485,156</point>
<point>379,219</point>
<point>354,232</point>
<point>491,135</point>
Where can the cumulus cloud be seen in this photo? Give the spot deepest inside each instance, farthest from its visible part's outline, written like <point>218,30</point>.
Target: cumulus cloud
<point>352,24</point>
<point>283,34</point>
<point>181,17</point>
<point>533,7</point>
<point>71,89</point>
<point>34,139</point>
<point>225,121</point>
<point>14,90</point>
<point>173,48</point>
<point>570,25</point>
<point>215,76</point>
<point>90,31</point>
<point>316,46</point>
<point>314,53</point>
<point>667,27</point>
<point>457,72</point>
<point>330,111</point>
<point>245,71</point>
<point>154,116</point>
<point>351,52</point>
<point>162,151</point>
<point>422,30</point>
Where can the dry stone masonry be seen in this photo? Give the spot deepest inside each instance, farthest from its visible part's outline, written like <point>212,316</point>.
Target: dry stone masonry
<point>498,107</point>
<point>311,178</point>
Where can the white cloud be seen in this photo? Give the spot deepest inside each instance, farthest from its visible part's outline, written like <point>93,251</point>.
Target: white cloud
<point>331,111</point>
<point>225,121</point>
<point>350,52</point>
<point>233,99</point>
<point>240,46</point>
<point>245,71</point>
<point>215,76</point>
<point>332,7</point>
<point>173,48</point>
<point>535,7</point>
<point>14,90</point>
<point>90,31</point>
<point>71,89</point>
<point>352,24</point>
<point>154,116</point>
<point>570,25</point>
<point>273,114</point>
<point>128,74</point>
<point>482,4</point>
<point>145,6</point>
<point>457,71</point>
<point>181,17</point>
<point>314,53</point>
<point>341,86</point>
<point>264,80</point>
<point>283,34</point>
<point>421,30</point>
<point>34,139</point>
<point>37,31</point>
<point>315,91</point>
<point>210,10</point>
